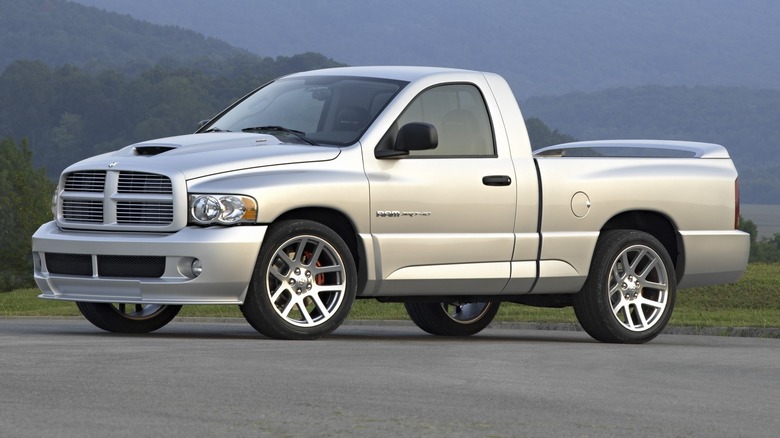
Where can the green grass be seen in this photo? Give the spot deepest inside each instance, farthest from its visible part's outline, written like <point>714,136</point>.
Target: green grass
<point>754,301</point>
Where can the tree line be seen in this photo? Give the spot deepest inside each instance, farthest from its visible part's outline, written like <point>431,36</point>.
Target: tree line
<point>67,114</point>
<point>25,203</point>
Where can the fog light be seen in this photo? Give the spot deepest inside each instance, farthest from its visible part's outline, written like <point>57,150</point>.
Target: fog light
<point>197,267</point>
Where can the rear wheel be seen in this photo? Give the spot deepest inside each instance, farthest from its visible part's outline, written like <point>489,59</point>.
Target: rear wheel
<point>452,318</point>
<point>630,291</point>
<point>304,282</point>
<point>128,318</point>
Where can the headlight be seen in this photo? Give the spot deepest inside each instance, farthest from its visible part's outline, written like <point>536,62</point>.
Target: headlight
<point>222,209</point>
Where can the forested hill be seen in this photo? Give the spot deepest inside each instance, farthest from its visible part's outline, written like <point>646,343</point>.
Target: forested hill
<point>76,81</point>
<point>73,91</point>
<point>58,32</point>
<point>68,114</point>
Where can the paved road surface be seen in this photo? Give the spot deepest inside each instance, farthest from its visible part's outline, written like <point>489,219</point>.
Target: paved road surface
<point>65,378</point>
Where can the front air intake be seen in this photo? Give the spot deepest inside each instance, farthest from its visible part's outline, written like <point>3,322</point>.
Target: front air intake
<point>148,151</point>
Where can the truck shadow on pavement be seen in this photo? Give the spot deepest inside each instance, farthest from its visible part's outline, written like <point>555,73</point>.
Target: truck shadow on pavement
<point>362,333</point>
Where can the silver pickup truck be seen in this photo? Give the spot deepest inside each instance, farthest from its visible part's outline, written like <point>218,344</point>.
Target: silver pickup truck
<point>401,184</point>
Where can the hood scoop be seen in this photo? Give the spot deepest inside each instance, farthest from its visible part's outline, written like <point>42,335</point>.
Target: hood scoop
<point>148,151</point>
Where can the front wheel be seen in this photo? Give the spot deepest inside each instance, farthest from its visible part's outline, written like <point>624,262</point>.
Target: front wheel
<point>630,291</point>
<point>304,282</point>
<point>452,318</point>
<point>128,318</point>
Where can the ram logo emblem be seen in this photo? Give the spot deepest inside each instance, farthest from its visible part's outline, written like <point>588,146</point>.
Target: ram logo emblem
<point>396,213</point>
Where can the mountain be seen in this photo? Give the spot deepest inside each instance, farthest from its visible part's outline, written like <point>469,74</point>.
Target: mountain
<point>76,80</point>
<point>542,47</point>
<point>59,32</point>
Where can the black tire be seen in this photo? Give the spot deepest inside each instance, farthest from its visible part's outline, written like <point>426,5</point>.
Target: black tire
<point>128,318</point>
<point>630,291</point>
<point>452,319</point>
<point>304,282</point>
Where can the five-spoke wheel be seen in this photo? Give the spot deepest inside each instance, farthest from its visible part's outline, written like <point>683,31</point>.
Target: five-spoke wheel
<point>630,292</point>
<point>304,282</point>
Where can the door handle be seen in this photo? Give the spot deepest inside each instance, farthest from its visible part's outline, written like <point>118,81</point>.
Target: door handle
<point>496,180</point>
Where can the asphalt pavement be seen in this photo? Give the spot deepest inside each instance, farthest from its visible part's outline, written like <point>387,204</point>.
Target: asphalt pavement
<point>65,378</point>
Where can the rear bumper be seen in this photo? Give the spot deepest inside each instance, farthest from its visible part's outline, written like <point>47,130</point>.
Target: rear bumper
<point>227,256</point>
<point>714,257</point>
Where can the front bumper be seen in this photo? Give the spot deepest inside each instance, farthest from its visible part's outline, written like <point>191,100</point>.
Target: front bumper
<point>227,256</point>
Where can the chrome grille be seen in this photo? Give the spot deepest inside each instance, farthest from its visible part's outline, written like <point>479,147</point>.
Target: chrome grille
<point>117,199</point>
<point>82,211</point>
<point>140,182</point>
<point>87,181</point>
<point>160,213</point>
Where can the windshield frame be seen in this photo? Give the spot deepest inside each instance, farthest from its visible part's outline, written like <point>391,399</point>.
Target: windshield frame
<point>349,105</point>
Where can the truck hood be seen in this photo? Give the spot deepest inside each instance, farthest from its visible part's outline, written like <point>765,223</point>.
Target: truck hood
<point>197,155</point>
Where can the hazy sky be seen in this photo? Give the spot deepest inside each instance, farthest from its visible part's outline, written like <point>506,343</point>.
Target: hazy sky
<point>541,46</point>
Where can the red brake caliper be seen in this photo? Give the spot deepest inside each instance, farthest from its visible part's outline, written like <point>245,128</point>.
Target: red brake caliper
<point>319,279</point>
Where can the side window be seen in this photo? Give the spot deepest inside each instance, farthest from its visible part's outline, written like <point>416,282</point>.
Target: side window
<point>461,119</point>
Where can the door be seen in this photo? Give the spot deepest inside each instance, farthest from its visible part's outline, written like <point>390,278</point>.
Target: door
<point>442,219</point>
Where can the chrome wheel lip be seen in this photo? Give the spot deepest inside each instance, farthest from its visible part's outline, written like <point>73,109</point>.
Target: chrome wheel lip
<point>638,290</point>
<point>466,313</point>
<point>306,281</point>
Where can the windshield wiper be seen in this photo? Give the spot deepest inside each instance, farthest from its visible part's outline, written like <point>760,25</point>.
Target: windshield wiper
<point>216,130</point>
<point>300,134</point>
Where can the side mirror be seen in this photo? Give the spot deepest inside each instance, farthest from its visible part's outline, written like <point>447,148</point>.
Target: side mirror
<point>417,137</point>
<point>412,137</point>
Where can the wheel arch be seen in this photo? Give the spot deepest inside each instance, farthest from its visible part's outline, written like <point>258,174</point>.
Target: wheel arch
<point>659,226</point>
<point>341,224</point>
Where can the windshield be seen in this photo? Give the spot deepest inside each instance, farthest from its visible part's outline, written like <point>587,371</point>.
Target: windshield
<point>332,110</point>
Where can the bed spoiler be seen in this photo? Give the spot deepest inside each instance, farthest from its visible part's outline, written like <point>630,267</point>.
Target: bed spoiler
<point>635,148</point>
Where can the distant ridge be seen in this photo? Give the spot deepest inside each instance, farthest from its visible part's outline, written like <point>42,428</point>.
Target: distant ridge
<point>165,78</point>
<point>541,47</point>
<point>60,32</point>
